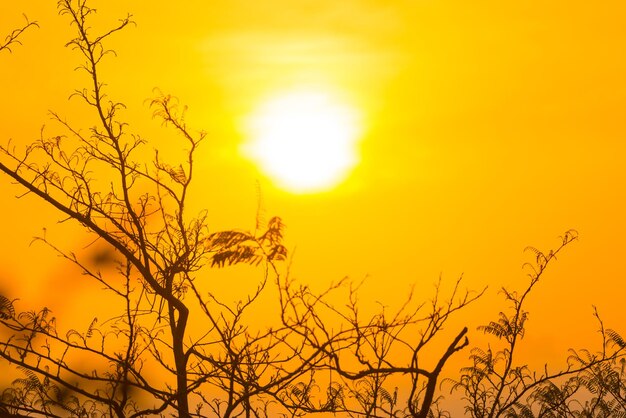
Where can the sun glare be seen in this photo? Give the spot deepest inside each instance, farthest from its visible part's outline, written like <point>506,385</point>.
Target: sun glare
<point>306,141</point>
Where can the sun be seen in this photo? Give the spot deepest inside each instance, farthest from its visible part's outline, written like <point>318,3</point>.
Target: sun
<point>305,141</point>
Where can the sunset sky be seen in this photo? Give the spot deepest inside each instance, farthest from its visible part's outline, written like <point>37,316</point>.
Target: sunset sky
<point>483,127</point>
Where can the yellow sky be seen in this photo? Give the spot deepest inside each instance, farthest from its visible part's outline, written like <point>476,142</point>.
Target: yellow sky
<point>489,126</point>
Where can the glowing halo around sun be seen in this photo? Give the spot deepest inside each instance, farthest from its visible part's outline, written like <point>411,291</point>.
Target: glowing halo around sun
<point>305,141</point>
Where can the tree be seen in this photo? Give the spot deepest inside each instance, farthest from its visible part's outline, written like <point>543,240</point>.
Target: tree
<point>174,347</point>
<point>497,384</point>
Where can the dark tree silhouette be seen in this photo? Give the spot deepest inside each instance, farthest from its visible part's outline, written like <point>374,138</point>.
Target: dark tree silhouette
<point>175,347</point>
<point>496,384</point>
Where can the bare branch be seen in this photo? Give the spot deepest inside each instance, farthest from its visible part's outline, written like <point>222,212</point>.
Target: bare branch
<point>12,38</point>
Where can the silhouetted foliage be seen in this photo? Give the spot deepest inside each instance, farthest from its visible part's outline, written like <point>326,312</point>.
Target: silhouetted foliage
<point>496,384</point>
<point>176,348</point>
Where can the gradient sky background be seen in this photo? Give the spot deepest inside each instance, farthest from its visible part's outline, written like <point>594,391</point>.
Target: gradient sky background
<point>489,126</point>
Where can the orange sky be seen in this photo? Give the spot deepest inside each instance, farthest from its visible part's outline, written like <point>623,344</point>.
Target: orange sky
<point>490,126</point>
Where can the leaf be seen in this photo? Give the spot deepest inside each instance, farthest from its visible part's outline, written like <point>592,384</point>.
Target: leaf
<point>241,254</point>
<point>225,239</point>
<point>616,338</point>
<point>386,396</point>
<point>335,397</point>
<point>91,327</point>
<point>31,382</point>
<point>7,311</point>
<point>177,174</point>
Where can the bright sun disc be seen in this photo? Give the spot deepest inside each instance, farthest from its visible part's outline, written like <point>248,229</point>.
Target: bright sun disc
<point>305,141</point>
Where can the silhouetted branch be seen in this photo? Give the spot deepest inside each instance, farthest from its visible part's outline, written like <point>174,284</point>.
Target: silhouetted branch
<point>12,38</point>
<point>174,347</point>
<point>495,385</point>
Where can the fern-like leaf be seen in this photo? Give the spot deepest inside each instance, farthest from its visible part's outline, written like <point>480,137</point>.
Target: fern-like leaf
<point>7,311</point>
<point>385,396</point>
<point>616,338</point>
